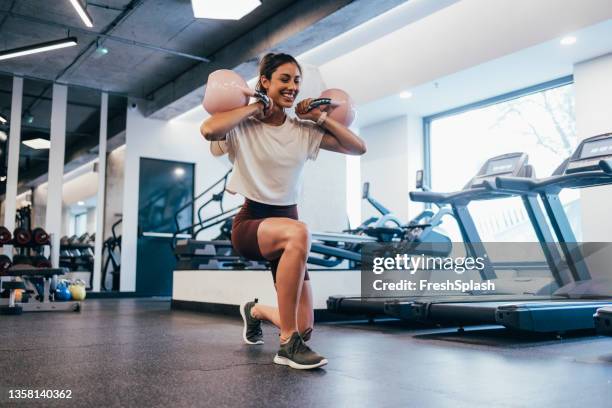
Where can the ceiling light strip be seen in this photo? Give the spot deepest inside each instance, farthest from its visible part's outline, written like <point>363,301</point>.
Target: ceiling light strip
<point>78,6</point>
<point>36,48</point>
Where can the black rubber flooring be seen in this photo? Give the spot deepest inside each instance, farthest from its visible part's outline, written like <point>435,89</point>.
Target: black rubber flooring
<point>139,353</point>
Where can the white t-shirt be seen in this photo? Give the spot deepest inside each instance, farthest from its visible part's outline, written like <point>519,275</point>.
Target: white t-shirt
<point>269,160</point>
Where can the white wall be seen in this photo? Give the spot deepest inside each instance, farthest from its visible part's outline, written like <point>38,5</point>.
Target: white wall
<point>593,87</point>
<point>322,203</point>
<point>91,221</point>
<point>395,152</point>
<point>39,206</point>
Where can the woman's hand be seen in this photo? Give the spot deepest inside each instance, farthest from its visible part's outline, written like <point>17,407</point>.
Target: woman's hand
<point>302,112</point>
<point>262,112</point>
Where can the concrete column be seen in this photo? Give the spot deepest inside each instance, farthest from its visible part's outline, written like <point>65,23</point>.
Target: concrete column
<point>97,272</point>
<point>12,173</point>
<point>56,169</point>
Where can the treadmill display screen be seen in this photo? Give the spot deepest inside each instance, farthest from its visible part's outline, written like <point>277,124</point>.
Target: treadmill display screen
<point>597,148</point>
<point>501,166</point>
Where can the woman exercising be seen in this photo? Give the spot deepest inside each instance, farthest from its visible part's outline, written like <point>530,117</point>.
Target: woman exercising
<point>269,150</point>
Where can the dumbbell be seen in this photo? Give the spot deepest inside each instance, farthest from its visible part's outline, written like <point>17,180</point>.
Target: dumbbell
<point>41,262</point>
<point>226,91</point>
<point>5,263</point>
<point>40,236</point>
<point>22,236</point>
<point>5,236</point>
<point>22,260</point>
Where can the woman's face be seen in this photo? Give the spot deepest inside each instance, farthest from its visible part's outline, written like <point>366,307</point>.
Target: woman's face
<point>284,85</point>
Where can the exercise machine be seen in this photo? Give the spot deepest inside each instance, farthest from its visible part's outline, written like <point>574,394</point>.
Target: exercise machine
<point>111,252</point>
<point>573,304</point>
<point>515,164</point>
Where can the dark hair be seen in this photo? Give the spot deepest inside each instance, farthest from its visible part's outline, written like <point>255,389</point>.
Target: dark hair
<point>270,62</point>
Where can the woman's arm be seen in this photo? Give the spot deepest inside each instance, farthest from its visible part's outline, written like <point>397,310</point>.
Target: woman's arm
<point>337,138</point>
<point>217,126</point>
<point>340,139</point>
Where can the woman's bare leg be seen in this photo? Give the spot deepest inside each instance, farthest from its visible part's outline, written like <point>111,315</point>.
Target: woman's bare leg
<point>305,311</point>
<point>290,240</point>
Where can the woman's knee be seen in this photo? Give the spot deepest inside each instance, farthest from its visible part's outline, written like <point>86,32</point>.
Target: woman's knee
<point>298,239</point>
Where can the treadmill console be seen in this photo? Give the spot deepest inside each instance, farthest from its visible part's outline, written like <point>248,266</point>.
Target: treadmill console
<point>589,153</point>
<point>510,164</point>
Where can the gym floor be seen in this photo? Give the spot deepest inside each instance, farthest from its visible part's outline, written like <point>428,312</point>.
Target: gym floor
<point>138,352</point>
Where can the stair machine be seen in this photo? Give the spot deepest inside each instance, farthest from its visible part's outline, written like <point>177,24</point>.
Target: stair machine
<point>216,254</point>
<point>513,164</point>
<point>579,296</point>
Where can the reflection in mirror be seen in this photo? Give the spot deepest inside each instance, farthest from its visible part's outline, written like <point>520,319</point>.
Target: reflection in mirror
<point>113,208</point>
<point>34,148</point>
<point>80,185</point>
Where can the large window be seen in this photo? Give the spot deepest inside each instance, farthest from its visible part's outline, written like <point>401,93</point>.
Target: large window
<point>540,123</point>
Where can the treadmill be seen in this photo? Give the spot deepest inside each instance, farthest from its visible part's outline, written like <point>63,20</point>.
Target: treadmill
<point>572,306</point>
<point>603,316</point>
<point>512,164</point>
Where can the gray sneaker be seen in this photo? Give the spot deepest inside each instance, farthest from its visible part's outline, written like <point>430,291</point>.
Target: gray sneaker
<point>251,333</point>
<point>296,354</point>
<point>307,334</point>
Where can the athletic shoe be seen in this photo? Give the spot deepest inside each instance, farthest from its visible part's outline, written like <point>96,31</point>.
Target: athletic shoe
<point>307,334</point>
<point>296,354</point>
<point>251,333</point>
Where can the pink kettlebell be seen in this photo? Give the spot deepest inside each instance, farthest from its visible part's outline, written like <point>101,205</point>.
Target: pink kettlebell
<point>225,91</point>
<point>338,105</point>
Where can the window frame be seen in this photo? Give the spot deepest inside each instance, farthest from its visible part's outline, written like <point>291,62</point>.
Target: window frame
<point>427,120</point>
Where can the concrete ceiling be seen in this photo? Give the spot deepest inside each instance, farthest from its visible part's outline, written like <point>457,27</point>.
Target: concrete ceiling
<point>157,50</point>
<point>128,69</point>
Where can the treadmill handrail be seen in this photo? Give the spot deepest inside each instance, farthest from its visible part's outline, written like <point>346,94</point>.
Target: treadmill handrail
<point>472,194</point>
<point>525,185</point>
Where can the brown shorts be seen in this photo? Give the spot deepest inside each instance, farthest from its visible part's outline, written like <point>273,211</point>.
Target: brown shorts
<point>246,223</point>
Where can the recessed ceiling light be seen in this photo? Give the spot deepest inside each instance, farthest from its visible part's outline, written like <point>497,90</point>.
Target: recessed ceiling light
<point>405,95</point>
<point>179,172</point>
<point>81,203</point>
<point>2,178</point>
<point>36,48</point>
<point>37,144</point>
<point>569,40</point>
<point>78,6</point>
<point>3,119</point>
<point>3,136</point>
<point>223,9</point>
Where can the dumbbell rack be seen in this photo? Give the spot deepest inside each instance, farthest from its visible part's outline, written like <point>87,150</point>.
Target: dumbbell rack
<point>28,273</point>
<point>28,249</point>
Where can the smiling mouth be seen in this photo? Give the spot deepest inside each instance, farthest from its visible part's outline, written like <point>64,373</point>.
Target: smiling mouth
<point>288,96</point>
